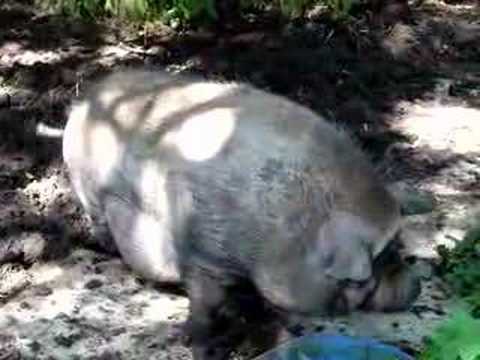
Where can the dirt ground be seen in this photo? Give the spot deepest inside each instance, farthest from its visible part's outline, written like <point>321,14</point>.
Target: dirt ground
<point>409,93</point>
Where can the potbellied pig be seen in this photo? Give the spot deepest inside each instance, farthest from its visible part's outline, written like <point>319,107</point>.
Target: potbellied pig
<point>211,184</point>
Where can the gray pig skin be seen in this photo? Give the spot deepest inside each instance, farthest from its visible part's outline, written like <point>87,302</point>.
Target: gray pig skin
<point>207,184</point>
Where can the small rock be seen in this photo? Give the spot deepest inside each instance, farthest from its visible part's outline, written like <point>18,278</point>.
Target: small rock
<point>118,331</point>
<point>93,284</point>
<point>35,346</point>
<point>25,305</point>
<point>157,51</point>
<point>34,245</point>
<point>108,355</point>
<point>171,339</point>
<point>65,341</point>
<point>42,290</point>
<point>13,280</point>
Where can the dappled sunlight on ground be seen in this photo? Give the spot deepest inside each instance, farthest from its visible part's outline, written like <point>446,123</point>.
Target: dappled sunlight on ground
<point>87,299</point>
<point>446,136</point>
<point>454,128</point>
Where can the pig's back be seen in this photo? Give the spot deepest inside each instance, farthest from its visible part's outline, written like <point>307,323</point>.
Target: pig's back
<point>140,120</point>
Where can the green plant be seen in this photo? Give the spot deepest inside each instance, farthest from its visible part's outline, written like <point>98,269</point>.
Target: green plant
<point>134,9</point>
<point>294,7</point>
<point>340,9</point>
<point>457,338</point>
<point>184,10</point>
<point>187,10</point>
<point>461,268</point>
<point>181,10</point>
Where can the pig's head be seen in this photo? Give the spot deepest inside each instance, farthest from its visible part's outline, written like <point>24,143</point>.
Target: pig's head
<point>392,285</point>
<point>353,263</point>
<point>360,254</point>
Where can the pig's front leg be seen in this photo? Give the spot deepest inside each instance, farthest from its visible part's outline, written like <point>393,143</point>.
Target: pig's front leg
<point>211,326</point>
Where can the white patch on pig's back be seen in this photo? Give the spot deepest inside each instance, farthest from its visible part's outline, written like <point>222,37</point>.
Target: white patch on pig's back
<point>106,151</point>
<point>203,135</point>
<point>91,150</point>
<point>108,97</point>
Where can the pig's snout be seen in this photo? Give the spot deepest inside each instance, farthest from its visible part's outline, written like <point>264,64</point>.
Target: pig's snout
<point>352,295</point>
<point>396,291</point>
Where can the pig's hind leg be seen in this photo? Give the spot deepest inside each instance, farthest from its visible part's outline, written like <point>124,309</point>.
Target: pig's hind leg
<point>100,236</point>
<point>143,240</point>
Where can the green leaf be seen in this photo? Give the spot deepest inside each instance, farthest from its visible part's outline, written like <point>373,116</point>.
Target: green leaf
<point>456,338</point>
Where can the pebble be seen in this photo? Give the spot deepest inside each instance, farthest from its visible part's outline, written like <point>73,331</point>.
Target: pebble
<point>65,341</point>
<point>42,290</point>
<point>93,284</point>
<point>25,305</point>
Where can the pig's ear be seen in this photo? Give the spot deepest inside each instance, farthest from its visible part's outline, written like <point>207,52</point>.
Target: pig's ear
<point>343,246</point>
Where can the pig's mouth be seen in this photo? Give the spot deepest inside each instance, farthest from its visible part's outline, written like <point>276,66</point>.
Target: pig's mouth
<point>390,288</point>
<point>352,295</point>
<point>395,290</point>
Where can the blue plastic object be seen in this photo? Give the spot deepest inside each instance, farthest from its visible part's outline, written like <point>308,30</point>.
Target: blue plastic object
<point>334,347</point>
